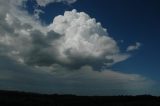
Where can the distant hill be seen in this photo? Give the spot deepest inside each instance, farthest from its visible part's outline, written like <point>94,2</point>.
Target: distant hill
<point>15,98</point>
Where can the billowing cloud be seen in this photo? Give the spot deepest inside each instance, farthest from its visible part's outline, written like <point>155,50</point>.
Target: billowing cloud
<point>45,2</point>
<point>66,56</point>
<point>134,47</point>
<point>84,39</point>
<point>70,40</point>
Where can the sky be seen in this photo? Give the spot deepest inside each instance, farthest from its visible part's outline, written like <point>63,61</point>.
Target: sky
<point>82,47</point>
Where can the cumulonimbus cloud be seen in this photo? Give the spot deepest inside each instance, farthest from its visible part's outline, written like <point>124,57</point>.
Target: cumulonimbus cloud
<point>84,40</point>
<point>74,39</point>
<point>68,53</point>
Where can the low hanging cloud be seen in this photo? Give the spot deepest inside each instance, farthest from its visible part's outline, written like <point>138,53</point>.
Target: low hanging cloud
<point>58,79</point>
<point>66,56</point>
<point>46,2</point>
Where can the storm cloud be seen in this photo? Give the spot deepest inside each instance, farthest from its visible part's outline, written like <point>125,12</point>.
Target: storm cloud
<point>66,56</point>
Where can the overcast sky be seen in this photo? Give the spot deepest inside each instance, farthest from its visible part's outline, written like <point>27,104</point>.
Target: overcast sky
<point>83,47</point>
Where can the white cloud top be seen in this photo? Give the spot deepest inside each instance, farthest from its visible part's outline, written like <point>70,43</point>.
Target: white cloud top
<point>82,37</point>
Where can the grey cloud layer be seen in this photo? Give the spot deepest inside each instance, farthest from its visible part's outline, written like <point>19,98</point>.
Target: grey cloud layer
<point>84,81</point>
<point>64,57</point>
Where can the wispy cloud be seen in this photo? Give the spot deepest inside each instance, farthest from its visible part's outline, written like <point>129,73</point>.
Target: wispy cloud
<point>45,2</point>
<point>134,47</point>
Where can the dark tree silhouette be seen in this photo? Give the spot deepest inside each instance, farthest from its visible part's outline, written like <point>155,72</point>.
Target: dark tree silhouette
<point>10,98</point>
